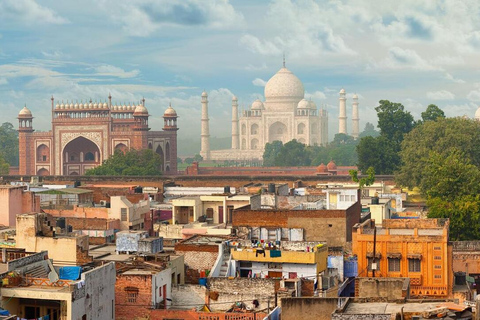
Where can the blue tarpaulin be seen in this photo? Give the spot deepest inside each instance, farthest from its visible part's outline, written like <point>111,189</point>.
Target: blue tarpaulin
<point>4,312</point>
<point>70,273</point>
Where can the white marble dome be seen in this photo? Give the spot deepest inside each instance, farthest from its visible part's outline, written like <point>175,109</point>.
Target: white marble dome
<point>312,105</point>
<point>284,85</point>
<point>257,105</point>
<point>25,112</point>
<point>477,114</point>
<point>303,104</point>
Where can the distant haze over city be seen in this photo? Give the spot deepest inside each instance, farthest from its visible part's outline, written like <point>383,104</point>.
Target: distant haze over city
<point>412,52</point>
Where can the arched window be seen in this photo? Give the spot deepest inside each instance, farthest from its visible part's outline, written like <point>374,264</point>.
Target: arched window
<point>244,129</point>
<point>43,153</point>
<point>301,128</point>
<point>254,144</point>
<point>254,129</point>
<point>167,151</point>
<point>89,156</point>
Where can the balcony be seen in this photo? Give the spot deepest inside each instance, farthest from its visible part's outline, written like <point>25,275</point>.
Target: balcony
<point>281,256</point>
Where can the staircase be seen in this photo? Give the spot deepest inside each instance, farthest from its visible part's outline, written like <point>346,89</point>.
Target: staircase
<point>225,262</point>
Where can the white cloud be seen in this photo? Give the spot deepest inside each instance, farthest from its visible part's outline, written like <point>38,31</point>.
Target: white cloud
<point>28,12</point>
<point>440,95</point>
<point>142,18</point>
<point>108,70</point>
<point>3,81</point>
<point>399,58</point>
<point>452,78</point>
<point>474,95</point>
<point>317,95</point>
<point>259,82</point>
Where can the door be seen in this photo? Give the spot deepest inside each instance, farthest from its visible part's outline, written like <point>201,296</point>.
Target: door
<point>220,214</point>
<point>229,214</point>
<point>275,274</point>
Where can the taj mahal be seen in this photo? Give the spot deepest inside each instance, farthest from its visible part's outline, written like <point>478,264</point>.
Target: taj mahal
<point>283,116</point>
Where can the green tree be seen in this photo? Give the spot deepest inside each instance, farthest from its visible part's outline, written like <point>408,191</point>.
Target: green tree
<point>179,160</point>
<point>435,140</point>
<point>190,160</point>
<point>197,158</point>
<point>394,121</point>
<point>293,154</point>
<point>131,163</point>
<point>369,131</point>
<point>271,152</point>
<point>9,143</point>
<point>367,180</point>
<point>4,166</point>
<point>432,113</point>
<point>342,138</point>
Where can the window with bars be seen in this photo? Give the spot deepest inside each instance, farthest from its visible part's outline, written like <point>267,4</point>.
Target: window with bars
<point>393,265</point>
<point>370,261</point>
<point>132,294</point>
<point>123,212</point>
<point>414,265</point>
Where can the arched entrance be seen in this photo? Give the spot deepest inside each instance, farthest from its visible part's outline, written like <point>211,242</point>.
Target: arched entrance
<point>277,132</point>
<point>43,172</point>
<point>159,151</point>
<point>122,147</point>
<point>80,155</point>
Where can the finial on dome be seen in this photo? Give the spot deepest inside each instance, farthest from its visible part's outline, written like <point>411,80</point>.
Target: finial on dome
<point>284,59</point>
<point>143,101</point>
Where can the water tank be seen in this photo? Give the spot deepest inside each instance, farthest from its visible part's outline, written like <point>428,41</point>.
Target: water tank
<point>271,188</point>
<point>226,189</point>
<point>460,278</point>
<point>61,223</point>
<point>375,200</point>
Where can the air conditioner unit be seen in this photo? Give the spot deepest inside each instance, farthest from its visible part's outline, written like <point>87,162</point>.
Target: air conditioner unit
<point>103,202</point>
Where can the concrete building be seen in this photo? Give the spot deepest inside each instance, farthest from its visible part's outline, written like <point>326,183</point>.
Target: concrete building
<point>283,116</point>
<point>83,135</point>
<point>35,233</point>
<point>34,287</point>
<point>215,208</point>
<point>14,200</point>
<point>417,249</point>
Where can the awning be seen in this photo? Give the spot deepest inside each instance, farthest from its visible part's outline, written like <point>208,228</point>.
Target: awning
<point>416,256</point>
<point>378,255</point>
<point>394,255</point>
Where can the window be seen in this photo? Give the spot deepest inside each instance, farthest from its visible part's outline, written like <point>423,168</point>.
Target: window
<point>132,294</point>
<point>414,265</point>
<point>438,276</point>
<point>437,267</point>
<point>437,258</point>
<point>393,265</point>
<point>89,156</point>
<point>437,248</point>
<point>123,212</point>
<point>44,158</point>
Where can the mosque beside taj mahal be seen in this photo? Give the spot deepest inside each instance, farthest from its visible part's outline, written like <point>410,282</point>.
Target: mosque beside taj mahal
<point>283,116</point>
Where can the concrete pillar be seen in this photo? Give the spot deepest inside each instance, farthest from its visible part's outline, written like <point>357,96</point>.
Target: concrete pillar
<point>355,118</point>
<point>205,130</point>
<point>235,137</point>
<point>342,114</point>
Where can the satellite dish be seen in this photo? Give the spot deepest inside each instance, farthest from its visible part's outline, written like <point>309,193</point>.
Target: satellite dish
<point>53,276</point>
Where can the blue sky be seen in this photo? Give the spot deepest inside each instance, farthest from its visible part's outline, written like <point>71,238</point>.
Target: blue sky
<point>413,52</point>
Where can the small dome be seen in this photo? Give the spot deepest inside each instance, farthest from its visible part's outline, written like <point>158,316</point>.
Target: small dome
<point>322,168</point>
<point>71,105</point>
<point>204,94</point>
<point>331,166</point>
<point>105,105</point>
<point>57,106</point>
<point>312,105</point>
<point>170,112</point>
<point>62,106</point>
<point>90,105</point>
<point>477,114</point>
<point>257,105</point>
<point>80,105</point>
<point>141,110</point>
<point>355,96</point>
<point>342,91</point>
<point>25,112</point>
<point>234,98</point>
<point>75,106</point>
<point>303,104</point>
<point>95,105</point>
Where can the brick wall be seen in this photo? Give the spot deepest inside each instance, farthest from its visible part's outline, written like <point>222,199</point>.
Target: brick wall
<point>391,289</point>
<point>331,226</point>
<point>125,309</point>
<point>79,212</point>
<point>308,308</point>
<point>196,262</point>
<point>307,288</point>
<point>242,289</point>
<point>88,224</point>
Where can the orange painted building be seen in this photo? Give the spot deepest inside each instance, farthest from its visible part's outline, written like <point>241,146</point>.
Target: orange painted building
<point>417,249</point>
<point>83,135</point>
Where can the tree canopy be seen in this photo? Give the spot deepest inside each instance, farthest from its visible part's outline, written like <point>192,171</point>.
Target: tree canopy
<point>432,113</point>
<point>369,131</point>
<point>131,163</point>
<point>9,143</point>
<point>442,158</point>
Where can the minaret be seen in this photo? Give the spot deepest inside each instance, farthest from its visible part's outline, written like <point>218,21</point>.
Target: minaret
<point>355,119</point>
<point>342,114</point>
<point>205,134</point>
<point>235,137</point>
